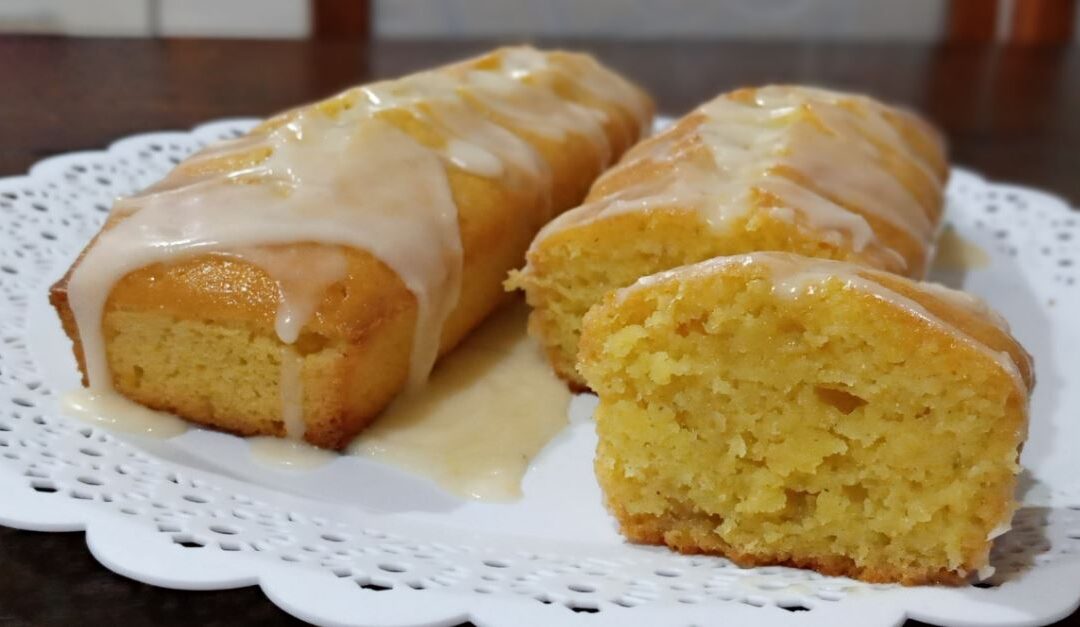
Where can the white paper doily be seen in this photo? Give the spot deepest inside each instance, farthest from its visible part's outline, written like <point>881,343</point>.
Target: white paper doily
<point>356,543</point>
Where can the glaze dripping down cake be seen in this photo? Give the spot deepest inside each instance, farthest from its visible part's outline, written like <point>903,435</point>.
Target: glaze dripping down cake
<point>293,281</point>
<point>777,409</point>
<point>796,169</point>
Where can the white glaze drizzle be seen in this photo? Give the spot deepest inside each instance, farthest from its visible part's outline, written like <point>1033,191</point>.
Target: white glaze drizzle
<point>839,162</point>
<point>291,384</point>
<point>540,110</point>
<point>748,142</point>
<point>302,277</point>
<point>604,85</point>
<point>874,124</point>
<point>347,180</point>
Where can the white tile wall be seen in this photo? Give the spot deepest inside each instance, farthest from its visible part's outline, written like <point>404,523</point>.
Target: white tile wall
<point>208,18</point>
<point>76,17</point>
<point>235,18</point>
<point>791,19</point>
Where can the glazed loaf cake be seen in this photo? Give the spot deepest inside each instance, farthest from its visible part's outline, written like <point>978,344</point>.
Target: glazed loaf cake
<point>777,409</point>
<point>815,172</point>
<point>292,282</point>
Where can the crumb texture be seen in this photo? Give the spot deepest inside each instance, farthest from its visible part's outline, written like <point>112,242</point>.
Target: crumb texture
<point>833,430</point>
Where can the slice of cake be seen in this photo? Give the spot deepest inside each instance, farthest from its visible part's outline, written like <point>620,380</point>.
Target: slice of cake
<point>777,409</point>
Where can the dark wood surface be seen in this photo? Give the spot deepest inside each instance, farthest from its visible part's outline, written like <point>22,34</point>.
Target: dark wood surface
<point>1012,114</point>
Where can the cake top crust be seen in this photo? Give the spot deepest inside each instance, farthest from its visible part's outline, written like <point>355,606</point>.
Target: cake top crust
<point>808,155</point>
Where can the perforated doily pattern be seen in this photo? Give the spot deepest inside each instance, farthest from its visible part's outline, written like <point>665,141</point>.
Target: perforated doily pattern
<point>171,525</point>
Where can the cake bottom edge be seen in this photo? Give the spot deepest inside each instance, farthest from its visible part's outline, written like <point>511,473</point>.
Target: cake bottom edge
<point>679,535</point>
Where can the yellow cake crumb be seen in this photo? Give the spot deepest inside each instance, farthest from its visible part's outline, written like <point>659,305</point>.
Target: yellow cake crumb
<point>847,420</point>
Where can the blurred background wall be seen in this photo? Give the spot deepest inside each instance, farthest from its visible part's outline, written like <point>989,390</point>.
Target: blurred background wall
<point>910,20</point>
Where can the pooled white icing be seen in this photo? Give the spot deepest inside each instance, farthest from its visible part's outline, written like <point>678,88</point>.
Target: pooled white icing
<point>840,159</point>
<point>349,179</point>
<point>291,454</point>
<point>1002,529</point>
<point>120,414</point>
<point>489,408</point>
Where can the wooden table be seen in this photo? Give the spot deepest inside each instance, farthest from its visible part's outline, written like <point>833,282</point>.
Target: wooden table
<point>1012,114</point>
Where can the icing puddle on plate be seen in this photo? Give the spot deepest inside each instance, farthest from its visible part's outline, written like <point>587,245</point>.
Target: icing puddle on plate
<point>489,407</point>
<point>957,253</point>
<point>112,411</point>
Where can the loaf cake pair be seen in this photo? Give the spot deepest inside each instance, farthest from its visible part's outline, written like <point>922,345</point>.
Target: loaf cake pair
<point>293,281</point>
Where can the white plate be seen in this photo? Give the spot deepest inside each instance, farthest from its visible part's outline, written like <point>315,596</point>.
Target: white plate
<point>358,543</point>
